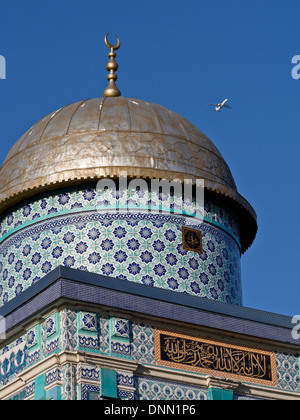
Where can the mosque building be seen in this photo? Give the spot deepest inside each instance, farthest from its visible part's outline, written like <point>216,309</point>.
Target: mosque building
<point>121,235</point>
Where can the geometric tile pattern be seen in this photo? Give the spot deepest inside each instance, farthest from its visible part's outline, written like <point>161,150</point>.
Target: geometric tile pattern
<point>288,373</point>
<point>120,328</point>
<point>68,328</point>
<point>87,199</point>
<point>120,336</point>
<point>139,247</point>
<point>88,331</point>
<point>143,343</point>
<point>69,382</point>
<point>50,335</point>
<point>150,389</point>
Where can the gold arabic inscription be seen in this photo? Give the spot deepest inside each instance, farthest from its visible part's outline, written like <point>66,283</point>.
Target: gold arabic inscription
<point>218,357</point>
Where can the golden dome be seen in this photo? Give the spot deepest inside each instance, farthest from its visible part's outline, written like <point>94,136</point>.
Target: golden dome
<point>100,137</point>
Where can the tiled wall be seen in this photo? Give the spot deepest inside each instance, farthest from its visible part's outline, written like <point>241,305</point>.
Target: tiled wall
<point>140,246</point>
<point>97,333</point>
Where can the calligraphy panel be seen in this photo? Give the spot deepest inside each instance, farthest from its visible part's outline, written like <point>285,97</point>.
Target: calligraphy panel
<point>192,240</point>
<point>211,357</point>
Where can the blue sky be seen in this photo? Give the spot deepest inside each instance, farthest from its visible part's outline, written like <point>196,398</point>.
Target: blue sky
<point>181,55</point>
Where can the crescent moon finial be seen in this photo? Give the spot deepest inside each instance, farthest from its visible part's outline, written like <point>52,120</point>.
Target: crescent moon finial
<point>112,67</point>
<point>109,45</point>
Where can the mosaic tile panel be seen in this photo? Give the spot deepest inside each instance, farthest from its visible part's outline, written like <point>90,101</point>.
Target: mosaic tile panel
<point>69,382</point>
<point>90,392</point>
<point>139,247</point>
<point>68,325</point>
<point>88,331</point>
<point>120,336</point>
<point>120,328</point>
<point>288,372</point>
<point>142,345</point>
<point>86,372</point>
<point>50,335</point>
<point>34,345</point>
<point>104,337</point>
<point>53,376</point>
<point>13,360</point>
<point>155,389</point>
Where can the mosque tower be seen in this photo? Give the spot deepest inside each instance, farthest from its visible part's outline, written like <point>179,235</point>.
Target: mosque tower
<point>83,204</point>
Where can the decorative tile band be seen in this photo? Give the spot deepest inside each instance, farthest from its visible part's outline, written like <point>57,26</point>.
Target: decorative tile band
<point>68,202</point>
<point>215,358</point>
<point>140,247</point>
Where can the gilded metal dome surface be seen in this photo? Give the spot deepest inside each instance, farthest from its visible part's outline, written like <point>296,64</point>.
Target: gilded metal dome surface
<point>102,137</point>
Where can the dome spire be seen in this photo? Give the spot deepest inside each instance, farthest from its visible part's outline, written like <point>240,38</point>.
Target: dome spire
<point>112,66</point>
